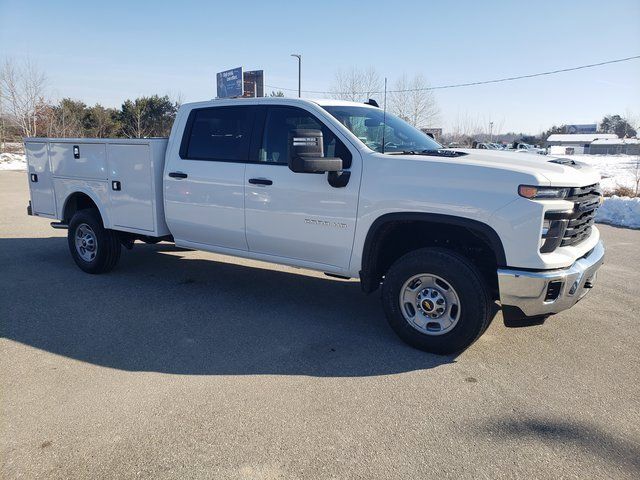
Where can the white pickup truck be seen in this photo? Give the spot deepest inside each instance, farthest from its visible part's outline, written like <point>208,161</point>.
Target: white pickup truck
<point>340,188</point>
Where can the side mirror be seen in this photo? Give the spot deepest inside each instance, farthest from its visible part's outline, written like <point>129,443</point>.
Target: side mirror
<point>306,154</point>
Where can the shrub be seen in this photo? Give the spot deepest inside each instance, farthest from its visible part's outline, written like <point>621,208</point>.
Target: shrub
<point>620,191</point>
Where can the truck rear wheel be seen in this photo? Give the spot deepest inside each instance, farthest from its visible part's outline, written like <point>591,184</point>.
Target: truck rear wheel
<point>94,248</point>
<point>436,300</point>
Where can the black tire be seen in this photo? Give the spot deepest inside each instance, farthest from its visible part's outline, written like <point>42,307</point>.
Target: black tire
<point>466,281</point>
<point>107,241</point>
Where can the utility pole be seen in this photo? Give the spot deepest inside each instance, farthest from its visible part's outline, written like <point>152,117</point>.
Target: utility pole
<point>490,132</point>
<point>299,57</point>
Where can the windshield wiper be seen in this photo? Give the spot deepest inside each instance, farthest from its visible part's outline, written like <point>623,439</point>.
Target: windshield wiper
<point>442,152</point>
<point>430,152</point>
<point>404,152</point>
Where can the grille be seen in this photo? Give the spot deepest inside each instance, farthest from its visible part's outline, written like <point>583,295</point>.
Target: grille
<point>587,201</point>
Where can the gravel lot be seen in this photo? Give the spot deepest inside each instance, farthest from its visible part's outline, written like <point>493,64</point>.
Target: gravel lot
<point>192,365</point>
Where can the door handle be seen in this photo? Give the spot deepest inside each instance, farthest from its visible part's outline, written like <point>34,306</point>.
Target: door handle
<point>178,175</point>
<point>34,177</point>
<point>260,181</point>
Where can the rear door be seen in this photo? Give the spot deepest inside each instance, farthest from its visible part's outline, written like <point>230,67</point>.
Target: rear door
<point>40,181</point>
<point>299,215</point>
<point>204,183</point>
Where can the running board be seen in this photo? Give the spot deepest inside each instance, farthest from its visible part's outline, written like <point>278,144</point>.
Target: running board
<point>59,225</point>
<point>335,275</point>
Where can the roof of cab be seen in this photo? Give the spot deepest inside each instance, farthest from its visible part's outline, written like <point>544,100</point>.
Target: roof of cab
<point>330,102</point>
<point>276,100</point>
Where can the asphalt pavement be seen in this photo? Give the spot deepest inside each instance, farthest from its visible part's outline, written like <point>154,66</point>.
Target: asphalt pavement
<point>183,364</point>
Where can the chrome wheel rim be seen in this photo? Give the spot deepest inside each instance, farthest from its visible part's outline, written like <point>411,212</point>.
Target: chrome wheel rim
<point>85,241</point>
<point>430,304</point>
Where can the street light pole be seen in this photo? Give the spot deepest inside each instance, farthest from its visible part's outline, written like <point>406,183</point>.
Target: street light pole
<point>490,132</point>
<point>299,57</point>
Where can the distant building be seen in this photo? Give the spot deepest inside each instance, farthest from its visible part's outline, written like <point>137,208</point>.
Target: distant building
<point>615,146</point>
<point>435,133</point>
<point>575,143</point>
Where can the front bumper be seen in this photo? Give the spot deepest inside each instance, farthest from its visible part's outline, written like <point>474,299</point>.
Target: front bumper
<point>525,294</point>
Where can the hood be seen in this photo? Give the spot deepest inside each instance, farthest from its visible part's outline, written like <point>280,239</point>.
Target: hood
<point>549,169</point>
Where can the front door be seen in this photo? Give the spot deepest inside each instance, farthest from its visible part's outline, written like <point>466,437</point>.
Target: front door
<point>204,184</point>
<point>299,215</point>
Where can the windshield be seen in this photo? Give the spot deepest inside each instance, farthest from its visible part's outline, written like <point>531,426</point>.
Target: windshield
<point>367,124</point>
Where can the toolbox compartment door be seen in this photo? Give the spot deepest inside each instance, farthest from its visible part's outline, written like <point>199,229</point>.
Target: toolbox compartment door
<point>131,187</point>
<point>40,182</point>
<point>78,159</point>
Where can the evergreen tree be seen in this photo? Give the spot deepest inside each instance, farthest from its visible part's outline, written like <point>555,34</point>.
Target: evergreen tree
<point>69,118</point>
<point>552,131</point>
<point>147,116</point>
<point>618,125</point>
<point>101,122</point>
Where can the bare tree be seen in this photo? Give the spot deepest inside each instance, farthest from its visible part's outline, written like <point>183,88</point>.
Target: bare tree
<point>636,176</point>
<point>22,89</point>
<point>411,101</point>
<point>498,126</point>
<point>2,122</point>
<point>633,119</point>
<point>464,129</point>
<point>356,85</point>
<point>136,128</point>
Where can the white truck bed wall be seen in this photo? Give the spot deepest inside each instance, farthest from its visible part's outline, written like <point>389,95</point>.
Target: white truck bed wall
<point>91,165</point>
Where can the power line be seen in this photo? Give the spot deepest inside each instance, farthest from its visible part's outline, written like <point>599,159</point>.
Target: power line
<point>469,84</point>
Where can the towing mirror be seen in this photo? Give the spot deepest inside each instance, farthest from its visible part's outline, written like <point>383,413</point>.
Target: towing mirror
<point>306,154</point>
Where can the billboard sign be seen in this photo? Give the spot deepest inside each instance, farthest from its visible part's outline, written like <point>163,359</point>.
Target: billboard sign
<point>254,83</point>
<point>230,83</point>
<point>588,128</point>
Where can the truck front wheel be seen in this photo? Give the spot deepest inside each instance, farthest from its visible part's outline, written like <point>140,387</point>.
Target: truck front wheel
<point>94,248</point>
<point>436,300</point>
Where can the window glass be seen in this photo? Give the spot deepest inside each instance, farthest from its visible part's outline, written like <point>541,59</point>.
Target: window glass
<point>281,120</point>
<point>220,133</point>
<point>371,126</point>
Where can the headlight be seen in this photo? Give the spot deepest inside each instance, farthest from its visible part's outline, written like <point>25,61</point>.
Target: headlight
<point>542,193</point>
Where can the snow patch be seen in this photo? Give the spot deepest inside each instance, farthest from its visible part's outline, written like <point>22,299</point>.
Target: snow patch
<point>620,211</point>
<point>615,170</point>
<point>13,161</point>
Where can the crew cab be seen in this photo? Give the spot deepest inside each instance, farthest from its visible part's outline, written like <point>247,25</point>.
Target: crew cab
<point>342,188</point>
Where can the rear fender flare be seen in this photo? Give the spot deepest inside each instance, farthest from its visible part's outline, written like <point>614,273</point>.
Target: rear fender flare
<point>106,222</point>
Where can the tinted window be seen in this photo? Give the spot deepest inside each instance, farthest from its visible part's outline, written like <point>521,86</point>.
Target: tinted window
<point>221,133</point>
<point>281,120</point>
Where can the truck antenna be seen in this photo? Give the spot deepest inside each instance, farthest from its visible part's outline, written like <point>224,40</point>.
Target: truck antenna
<point>384,112</point>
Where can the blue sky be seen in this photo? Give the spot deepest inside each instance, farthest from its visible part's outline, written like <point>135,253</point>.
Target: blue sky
<point>108,51</point>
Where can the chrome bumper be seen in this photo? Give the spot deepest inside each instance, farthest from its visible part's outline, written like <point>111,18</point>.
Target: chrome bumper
<point>525,294</point>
